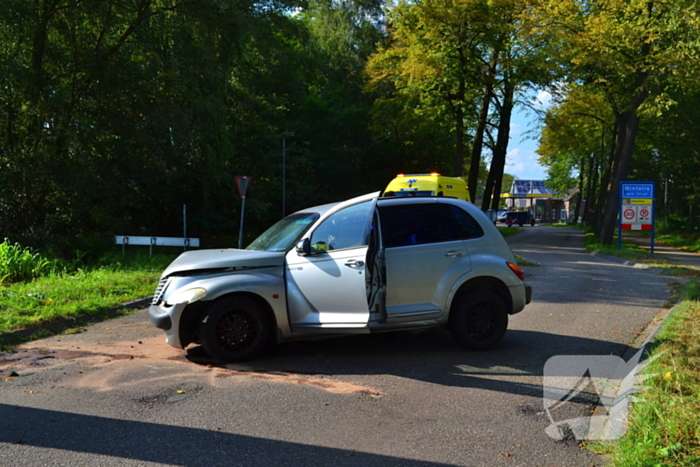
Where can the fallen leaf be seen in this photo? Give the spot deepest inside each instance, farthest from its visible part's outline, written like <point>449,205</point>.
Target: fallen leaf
<point>181,392</point>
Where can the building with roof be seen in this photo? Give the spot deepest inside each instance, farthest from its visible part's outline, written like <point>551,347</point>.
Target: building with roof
<point>534,196</point>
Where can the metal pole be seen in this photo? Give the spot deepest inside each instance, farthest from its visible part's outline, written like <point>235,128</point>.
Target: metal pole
<point>240,232</point>
<point>619,222</point>
<point>285,135</point>
<point>184,226</point>
<point>284,172</point>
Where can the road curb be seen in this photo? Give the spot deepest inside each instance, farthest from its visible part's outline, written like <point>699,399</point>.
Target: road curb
<point>615,259</point>
<point>62,324</point>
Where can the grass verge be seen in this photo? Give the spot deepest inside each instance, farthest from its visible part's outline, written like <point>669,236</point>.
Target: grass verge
<point>664,425</point>
<point>690,242</point>
<point>85,294</point>
<point>632,252</point>
<point>505,231</point>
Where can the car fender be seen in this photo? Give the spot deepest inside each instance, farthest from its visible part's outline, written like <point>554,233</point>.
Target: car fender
<point>491,268</point>
<point>268,285</point>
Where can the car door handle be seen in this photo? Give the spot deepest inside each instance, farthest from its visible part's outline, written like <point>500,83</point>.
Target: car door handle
<point>353,263</point>
<point>454,253</point>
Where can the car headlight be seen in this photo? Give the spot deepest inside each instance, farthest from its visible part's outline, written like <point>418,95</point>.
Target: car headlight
<point>186,296</point>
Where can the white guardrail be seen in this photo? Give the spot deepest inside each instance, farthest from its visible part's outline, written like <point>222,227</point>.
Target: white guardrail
<point>125,240</point>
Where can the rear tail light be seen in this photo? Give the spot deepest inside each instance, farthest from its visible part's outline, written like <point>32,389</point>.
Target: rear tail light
<point>516,270</point>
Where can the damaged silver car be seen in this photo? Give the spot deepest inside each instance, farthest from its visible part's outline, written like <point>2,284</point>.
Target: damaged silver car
<point>364,265</point>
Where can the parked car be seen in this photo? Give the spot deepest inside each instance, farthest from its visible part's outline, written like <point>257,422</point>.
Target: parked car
<point>518,217</point>
<point>364,265</point>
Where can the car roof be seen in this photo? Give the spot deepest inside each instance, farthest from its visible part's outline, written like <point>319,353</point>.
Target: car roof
<point>324,208</point>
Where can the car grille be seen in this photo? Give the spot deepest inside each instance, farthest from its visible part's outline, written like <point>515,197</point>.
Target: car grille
<point>159,290</point>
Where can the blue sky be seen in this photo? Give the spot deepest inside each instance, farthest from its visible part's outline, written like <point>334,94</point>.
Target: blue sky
<point>521,158</point>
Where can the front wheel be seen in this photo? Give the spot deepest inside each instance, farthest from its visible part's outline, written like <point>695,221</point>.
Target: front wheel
<point>234,329</point>
<point>480,320</point>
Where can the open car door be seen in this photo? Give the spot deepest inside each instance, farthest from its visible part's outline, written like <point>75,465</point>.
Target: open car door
<point>326,275</point>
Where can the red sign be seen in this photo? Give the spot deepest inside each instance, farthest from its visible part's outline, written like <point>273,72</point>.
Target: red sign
<point>636,226</point>
<point>242,183</point>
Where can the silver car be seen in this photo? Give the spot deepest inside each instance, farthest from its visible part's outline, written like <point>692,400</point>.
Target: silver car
<point>367,264</point>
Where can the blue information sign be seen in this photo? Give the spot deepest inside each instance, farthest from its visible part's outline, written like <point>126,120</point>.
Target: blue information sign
<point>637,190</point>
<point>636,209</point>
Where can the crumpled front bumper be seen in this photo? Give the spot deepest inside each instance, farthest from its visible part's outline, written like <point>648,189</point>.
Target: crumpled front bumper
<point>167,318</point>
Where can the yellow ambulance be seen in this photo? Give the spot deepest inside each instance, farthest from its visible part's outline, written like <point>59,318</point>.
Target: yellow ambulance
<point>432,184</point>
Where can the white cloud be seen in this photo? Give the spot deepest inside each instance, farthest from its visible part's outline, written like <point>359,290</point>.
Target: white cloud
<point>516,129</point>
<point>542,100</point>
<point>523,164</point>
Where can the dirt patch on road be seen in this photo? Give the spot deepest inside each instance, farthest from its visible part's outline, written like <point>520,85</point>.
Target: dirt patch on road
<point>93,360</point>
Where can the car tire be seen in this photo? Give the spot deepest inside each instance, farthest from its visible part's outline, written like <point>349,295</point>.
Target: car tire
<point>234,329</point>
<point>479,320</point>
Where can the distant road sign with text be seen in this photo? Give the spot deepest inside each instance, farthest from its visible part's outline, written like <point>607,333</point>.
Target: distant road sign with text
<point>637,205</point>
<point>637,190</point>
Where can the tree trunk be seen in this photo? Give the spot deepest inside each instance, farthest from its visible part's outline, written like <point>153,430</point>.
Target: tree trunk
<point>458,161</point>
<point>629,124</point>
<point>579,197</point>
<point>493,183</point>
<point>475,165</point>
<point>475,162</point>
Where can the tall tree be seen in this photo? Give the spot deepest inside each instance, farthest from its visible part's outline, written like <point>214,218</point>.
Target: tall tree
<point>632,51</point>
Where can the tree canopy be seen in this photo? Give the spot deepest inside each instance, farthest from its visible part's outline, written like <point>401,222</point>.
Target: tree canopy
<point>114,114</point>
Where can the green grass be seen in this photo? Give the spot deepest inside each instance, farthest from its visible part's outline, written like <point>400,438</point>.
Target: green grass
<point>18,263</point>
<point>690,242</point>
<point>664,425</point>
<point>85,292</point>
<point>525,262</point>
<point>505,231</point>
<point>636,254</point>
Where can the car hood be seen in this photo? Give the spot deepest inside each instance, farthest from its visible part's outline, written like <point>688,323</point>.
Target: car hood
<point>223,259</point>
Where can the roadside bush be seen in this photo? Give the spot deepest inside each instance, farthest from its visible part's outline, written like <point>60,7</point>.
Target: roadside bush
<point>19,263</point>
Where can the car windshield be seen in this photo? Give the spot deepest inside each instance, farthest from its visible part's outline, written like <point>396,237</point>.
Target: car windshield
<point>284,234</point>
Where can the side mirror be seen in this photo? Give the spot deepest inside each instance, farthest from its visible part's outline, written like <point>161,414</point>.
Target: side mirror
<point>304,247</point>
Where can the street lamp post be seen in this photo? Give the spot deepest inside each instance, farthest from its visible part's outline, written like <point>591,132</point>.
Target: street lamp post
<point>285,135</point>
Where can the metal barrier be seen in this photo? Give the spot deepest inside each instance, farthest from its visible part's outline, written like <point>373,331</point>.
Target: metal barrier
<point>124,240</point>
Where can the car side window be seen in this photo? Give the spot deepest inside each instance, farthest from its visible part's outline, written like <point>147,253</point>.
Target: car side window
<point>346,228</point>
<point>467,225</point>
<point>416,224</point>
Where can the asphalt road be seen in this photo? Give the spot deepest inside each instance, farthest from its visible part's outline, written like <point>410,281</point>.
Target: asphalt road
<point>116,394</point>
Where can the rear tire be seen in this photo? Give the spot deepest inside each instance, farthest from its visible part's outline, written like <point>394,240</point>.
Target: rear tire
<point>234,329</point>
<point>479,321</point>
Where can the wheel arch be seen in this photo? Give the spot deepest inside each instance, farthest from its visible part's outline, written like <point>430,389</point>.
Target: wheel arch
<point>196,311</point>
<point>492,284</point>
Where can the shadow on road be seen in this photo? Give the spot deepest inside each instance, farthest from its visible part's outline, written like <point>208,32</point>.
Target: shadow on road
<point>166,444</point>
<point>429,356</point>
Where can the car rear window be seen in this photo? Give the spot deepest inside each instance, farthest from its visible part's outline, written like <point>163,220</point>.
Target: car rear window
<point>467,225</point>
<point>416,224</point>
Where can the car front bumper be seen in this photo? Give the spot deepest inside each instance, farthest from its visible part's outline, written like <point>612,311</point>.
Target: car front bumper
<point>167,318</point>
<point>528,294</point>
